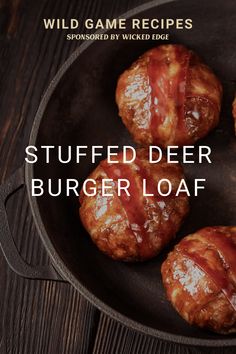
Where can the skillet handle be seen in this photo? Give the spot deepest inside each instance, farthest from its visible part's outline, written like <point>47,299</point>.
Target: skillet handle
<point>7,244</point>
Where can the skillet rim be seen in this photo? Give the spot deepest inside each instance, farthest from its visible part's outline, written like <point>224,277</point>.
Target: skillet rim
<point>57,261</point>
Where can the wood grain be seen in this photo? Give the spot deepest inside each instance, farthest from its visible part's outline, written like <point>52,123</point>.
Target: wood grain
<point>113,337</point>
<point>42,316</point>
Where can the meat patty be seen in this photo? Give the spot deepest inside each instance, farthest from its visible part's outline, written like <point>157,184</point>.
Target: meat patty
<point>169,97</point>
<point>135,227</point>
<point>234,113</point>
<point>200,278</point>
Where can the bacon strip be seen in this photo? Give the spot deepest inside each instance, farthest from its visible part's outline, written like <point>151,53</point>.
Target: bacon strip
<point>133,205</point>
<point>228,251</point>
<point>167,72</point>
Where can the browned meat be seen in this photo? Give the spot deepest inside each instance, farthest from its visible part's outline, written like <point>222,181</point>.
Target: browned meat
<point>200,278</point>
<point>234,113</point>
<point>169,97</point>
<point>134,228</point>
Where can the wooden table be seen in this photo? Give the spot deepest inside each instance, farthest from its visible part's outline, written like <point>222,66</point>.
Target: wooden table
<point>43,316</point>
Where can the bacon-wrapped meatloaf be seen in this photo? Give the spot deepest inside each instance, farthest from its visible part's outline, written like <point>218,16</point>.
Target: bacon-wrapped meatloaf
<point>200,278</point>
<point>169,97</point>
<point>135,227</point>
<point>234,113</point>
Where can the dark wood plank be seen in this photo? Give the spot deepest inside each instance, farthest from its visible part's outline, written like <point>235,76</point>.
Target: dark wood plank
<point>113,337</point>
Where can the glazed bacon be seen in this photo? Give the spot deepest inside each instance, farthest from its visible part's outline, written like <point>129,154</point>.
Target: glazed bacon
<point>169,97</point>
<point>200,278</point>
<point>135,227</point>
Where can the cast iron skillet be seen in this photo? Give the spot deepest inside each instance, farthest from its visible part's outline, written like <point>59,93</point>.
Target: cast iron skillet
<point>79,109</point>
